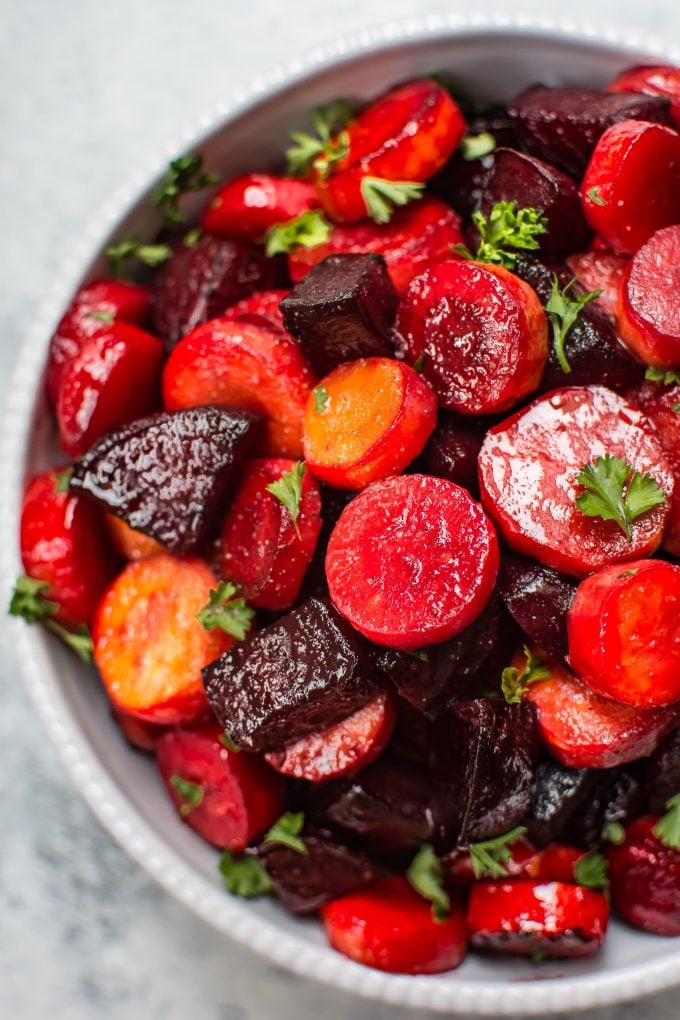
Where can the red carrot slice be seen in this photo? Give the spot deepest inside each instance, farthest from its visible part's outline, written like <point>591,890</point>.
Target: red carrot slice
<point>148,644</point>
<point>114,379</point>
<point>246,207</point>
<point>523,917</point>
<point>228,797</point>
<point>482,332</point>
<point>528,469</point>
<point>600,270</point>
<point>648,310</point>
<point>260,309</point>
<point>631,186</point>
<point>246,366</point>
<point>367,419</point>
<point>412,561</point>
<point>266,546</point>
<point>651,80</point>
<point>390,927</point>
<point>624,633</point>
<point>645,878</point>
<point>345,747</point>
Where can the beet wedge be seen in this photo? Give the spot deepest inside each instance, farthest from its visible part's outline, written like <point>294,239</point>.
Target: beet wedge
<point>193,451</point>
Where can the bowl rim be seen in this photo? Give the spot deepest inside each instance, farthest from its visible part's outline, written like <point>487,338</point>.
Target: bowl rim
<point>107,801</point>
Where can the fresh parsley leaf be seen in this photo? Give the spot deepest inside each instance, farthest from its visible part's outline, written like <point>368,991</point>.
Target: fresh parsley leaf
<point>668,376</point>
<point>287,831</point>
<point>381,196</point>
<point>288,490</point>
<point>79,641</point>
<point>676,408</point>
<point>227,742</point>
<point>132,247</point>
<point>615,491</point>
<point>426,876</point>
<point>667,829</point>
<point>192,237</point>
<point>419,654</point>
<point>244,875</point>
<point>506,228</point>
<point>28,600</point>
<point>321,398</point>
<point>100,316</point>
<point>191,794</point>
<point>226,610</point>
<point>595,196</point>
<point>564,309</point>
<point>489,857</point>
<point>308,230</point>
<point>613,832</point>
<point>462,249</point>
<point>62,480</point>
<point>476,146</point>
<point>184,174</point>
<point>419,363</point>
<point>514,683</point>
<point>590,871</point>
<point>538,955</point>
<point>322,152</point>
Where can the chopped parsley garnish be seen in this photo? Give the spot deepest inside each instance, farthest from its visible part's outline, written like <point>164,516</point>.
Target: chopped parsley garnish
<point>329,147</point>
<point>595,196</point>
<point>476,146</point>
<point>308,230</point>
<point>321,398</point>
<point>184,174</point>
<point>30,603</point>
<point>382,196</point>
<point>667,376</point>
<point>227,610</point>
<point>490,856</point>
<point>667,829</point>
<point>132,247</point>
<point>615,491</point>
<point>515,682</point>
<point>288,490</point>
<point>590,871</point>
<point>504,232</point>
<point>190,794</point>
<point>286,831</point>
<point>425,874</point>
<point>244,875</point>
<point>563,310</point>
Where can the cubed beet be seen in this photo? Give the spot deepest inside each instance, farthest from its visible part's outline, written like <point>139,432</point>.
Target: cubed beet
<point>201,281</point>
<point>193,453</point>
<point>532,183</point>
<point>452,450</point>
<point>563,126</point>
<point>330,868</point>
<point>302,673</point>
<point>342,310</point>
<point>483,770</point>
<point>538,598</point>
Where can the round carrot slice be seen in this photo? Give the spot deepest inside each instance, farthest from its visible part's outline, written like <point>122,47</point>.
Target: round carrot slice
<point>246,207</point>
<point>131,544</point>
<point>482,332</point>
<point>624,633</point>
<point>651,80</point>
<point>631,186</point>
<point>247,366</point>
<point>528,466</point>
<point>148,644</point>
<point>648,310</point>
<point>406,135</point>
<point>412,561</point>
<point>366,420</point>
<point>603,271</point>
<point>347,746</point>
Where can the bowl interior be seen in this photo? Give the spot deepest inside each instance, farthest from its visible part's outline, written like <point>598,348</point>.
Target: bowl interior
<point>122,785</point>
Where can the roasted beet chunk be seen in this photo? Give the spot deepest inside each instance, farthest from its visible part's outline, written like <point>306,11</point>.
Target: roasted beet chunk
<point>518,177</point>
<point>573,805</point>
<point>663,773</point>
<point>387,804</point>
<point>563,125</point>
<point>452,450</point>
<point>304,882</point>
<point>300,674</point>
<point>538,598</point>
<point>342,310</point>
<point>441,673</point>
<point>198,283</point>
<point>484,756</point>
<point>193,453</point>
<point>591,348</point>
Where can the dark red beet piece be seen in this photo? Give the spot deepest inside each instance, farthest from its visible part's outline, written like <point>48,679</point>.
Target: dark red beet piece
<point>199,283</point>
<point>522,917</point>
<point>663,773</point>
<point>645,879</point>
<point>452,450</point>
<point>333,502</point>
<point>483,770</point>
<point>562,126</point>
<point>330,868</point>
<point>342,310</point>
<point>428,680</point>
<point>227,797</point>
<point>531,183</point>
<point>591,347</point>
<point>194,453</point>
<point>617,795</point>
<point>538,598</point>
<point>302,673</point>
<point>387,804</point>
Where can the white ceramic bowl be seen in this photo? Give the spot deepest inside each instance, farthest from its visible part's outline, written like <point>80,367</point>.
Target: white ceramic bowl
<point>494,58</point>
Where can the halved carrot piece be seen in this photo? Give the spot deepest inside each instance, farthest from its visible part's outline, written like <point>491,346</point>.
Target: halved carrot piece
<point>148,644</point>
<point>131,544</point>
<point>367,420</point>
<point>247,366</point>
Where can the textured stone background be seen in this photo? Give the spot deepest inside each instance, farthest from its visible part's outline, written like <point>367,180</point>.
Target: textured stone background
<point>88,89</point>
